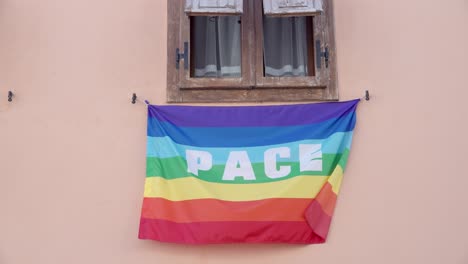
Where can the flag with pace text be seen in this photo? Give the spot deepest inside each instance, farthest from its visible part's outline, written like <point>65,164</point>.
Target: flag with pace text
<point>244,174</point>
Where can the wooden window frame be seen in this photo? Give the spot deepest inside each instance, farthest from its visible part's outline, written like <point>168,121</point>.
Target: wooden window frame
<point>252,86</point>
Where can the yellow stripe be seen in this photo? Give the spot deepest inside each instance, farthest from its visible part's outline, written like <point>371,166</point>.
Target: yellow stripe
<point>192,188</point>
<point>336,178</point>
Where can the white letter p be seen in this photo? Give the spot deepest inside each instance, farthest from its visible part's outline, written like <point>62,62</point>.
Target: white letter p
<point>198,160</point>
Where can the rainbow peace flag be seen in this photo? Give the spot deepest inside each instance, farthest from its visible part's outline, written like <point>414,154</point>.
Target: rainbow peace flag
<point>244,174</point>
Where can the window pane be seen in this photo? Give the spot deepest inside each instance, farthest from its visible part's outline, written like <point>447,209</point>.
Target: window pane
<point>215,46</point>
<point>287,42</point>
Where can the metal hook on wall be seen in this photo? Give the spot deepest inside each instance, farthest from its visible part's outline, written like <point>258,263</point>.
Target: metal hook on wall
<point>367,96</point>
<point>135,99</point>
<point>10,96</point>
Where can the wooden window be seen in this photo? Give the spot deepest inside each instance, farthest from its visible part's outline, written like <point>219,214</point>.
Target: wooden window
<point>231,51</point>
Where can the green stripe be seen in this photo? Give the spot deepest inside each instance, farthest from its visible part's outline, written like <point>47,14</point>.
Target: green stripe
<point>176,167</point>
<point>344,159</point>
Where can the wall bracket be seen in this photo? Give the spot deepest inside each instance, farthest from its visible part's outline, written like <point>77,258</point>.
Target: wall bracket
<point>10,96</point>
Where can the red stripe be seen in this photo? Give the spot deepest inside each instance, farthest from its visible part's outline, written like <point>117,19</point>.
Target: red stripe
<point>320,211</point>
<point>213,210</point>
<point>327,199</point>
<point>318,220</point>
<point>228,232</point>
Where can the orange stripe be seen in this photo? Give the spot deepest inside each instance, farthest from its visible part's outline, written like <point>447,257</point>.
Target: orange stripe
<point>327,199</point>
<point>204,210</point>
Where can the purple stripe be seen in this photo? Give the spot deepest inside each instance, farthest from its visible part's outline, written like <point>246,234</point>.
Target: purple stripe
<point>237,116</point>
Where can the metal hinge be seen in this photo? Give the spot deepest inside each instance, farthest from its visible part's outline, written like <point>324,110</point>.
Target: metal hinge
<point>319,54</point>
<point>184,56</point>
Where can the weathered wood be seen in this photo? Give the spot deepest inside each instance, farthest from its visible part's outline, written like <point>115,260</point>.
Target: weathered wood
<point>173,36</point>
<point>292,7</point>
<point>213,7</point>
<point>323,31</point>
<point>332,91</point>
<point>310,47</point>
<point>253,95</point>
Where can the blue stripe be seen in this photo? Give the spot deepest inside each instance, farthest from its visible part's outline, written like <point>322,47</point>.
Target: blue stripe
<point>164,147</point>
<point>249,136</point>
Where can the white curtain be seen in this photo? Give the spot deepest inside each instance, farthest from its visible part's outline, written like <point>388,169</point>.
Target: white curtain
<point>216,46</point>
<point>285,46</point>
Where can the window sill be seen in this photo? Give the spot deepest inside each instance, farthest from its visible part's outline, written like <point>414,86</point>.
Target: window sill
<point>233,95</point>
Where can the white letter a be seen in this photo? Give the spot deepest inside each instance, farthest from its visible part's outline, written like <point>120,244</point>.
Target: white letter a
<point>244,170</point>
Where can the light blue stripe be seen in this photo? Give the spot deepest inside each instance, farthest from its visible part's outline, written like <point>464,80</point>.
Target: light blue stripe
<point>164,147</point>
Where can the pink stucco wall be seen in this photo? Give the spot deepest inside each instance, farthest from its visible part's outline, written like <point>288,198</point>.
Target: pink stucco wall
<point>72,147</point>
